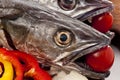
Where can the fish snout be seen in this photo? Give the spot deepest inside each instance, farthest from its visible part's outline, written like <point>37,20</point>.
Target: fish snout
<point>98,43</point>
<point>91,8</point>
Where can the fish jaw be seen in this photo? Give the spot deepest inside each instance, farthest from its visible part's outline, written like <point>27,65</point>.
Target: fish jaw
<point>67,59</point>
<point>94,8</point>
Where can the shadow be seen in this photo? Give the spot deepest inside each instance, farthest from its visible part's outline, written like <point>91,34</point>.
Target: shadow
<point>116,40</point>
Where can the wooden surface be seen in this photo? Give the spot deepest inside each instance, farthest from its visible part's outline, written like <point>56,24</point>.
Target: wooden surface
<point>116,15</point>
<point>116,23</point>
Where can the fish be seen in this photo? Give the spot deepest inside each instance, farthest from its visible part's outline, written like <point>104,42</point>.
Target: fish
<point>79,9</point>
<point>55,39</point>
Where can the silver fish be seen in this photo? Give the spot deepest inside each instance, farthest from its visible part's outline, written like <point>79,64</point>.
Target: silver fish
<point>52,37</point>
<point>82,9</point>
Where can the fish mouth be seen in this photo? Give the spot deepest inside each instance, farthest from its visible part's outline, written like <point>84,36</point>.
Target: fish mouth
<point>95,12</point>
<point>77,63</point>
<point>94,9</point>
<point>87,71</point>
<point>77,59</point>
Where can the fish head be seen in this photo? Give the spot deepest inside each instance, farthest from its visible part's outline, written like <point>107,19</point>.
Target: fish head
<point>82,9</point>
<point>50,36</point>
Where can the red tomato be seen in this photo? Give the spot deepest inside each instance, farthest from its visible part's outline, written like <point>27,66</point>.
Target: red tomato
<point>103,22</point>
<point>101,60</point>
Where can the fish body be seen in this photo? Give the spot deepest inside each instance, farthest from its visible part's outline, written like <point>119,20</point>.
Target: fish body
<point>82,9</point>
<point>52,37</point>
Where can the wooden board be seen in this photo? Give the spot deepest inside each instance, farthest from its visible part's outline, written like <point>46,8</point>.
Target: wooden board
<point>116,15</point>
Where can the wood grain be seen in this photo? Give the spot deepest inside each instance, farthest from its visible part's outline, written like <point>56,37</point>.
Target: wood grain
<point>116,15</point>
<point>116,23</point>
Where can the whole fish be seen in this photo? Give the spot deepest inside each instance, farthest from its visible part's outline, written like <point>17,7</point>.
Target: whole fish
<point>52,37</point>
<point>82,9</point>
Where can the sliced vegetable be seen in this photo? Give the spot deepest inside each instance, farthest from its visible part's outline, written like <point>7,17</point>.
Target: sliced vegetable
<point>8,72</point>
<point>31,66</point>
<point>101,60</point>
<point>4,54</point>
<point>24,65</point>
<point>103,22</point>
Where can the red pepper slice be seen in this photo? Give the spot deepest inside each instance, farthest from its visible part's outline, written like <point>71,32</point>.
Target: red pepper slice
<point>4,54</point>
<point>31,66</point>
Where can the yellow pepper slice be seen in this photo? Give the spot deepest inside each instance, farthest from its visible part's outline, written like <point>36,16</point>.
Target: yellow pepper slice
<point>8,70</point>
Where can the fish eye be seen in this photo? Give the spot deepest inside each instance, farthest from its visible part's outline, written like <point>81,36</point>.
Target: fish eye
<point>63,38</point>
<point>67,4</point>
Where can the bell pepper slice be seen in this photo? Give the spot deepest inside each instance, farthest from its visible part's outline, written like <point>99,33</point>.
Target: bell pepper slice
<point>4,54</point>
<point>25,65</point>
<point>8,71</point>
<point>31,66</point>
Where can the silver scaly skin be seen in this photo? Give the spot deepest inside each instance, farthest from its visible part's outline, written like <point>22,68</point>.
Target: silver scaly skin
<point>82,9</point>
<point>52,37</point>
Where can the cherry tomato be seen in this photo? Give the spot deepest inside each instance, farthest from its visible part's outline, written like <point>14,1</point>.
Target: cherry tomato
<point>103,22</point>
<point>101,60</point>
